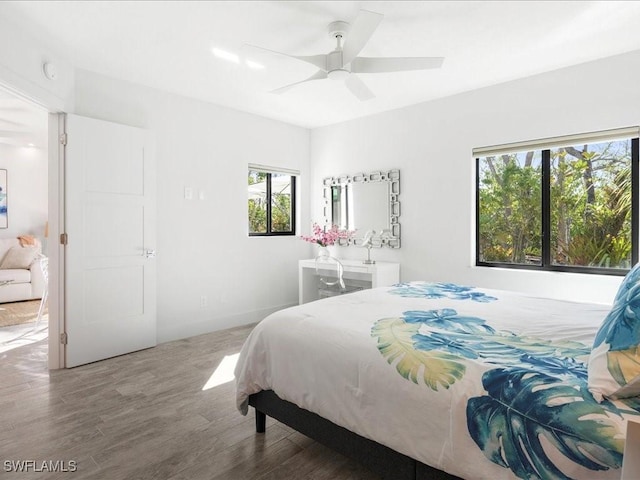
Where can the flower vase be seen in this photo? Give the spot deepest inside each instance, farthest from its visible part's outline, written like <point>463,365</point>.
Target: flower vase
<point>323,252</point>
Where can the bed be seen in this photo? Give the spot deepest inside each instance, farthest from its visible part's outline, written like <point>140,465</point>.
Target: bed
<point>438,380</point>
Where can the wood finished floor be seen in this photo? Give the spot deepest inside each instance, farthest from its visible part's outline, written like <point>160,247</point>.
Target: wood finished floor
<point>145,416</point>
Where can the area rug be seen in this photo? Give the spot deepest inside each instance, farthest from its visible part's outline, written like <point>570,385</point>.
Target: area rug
<point>19,312</point>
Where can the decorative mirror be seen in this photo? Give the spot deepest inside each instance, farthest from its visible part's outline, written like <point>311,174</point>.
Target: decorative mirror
<point>365,202</point>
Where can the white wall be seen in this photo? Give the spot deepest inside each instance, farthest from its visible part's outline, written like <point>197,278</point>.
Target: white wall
<point>431,144</point>
<point>203,246</point>
<point>27,176</point>
<point>21,61</point>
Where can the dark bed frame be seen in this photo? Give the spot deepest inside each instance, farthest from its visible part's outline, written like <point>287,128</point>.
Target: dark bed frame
<point>382,460</point>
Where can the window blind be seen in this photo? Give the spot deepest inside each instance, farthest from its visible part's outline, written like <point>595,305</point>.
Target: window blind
<point>268,169</point>
<point>553,142</point>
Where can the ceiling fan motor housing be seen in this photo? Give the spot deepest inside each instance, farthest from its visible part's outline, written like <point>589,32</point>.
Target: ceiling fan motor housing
<point>337,29</point>
<point>335,65</point>
<point>335,69</point>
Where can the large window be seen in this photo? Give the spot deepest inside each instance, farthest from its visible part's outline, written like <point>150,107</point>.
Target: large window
<point>272,200</point>
<point>568,206</point>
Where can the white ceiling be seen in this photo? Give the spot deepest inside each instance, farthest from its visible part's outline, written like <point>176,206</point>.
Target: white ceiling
<point>167,45</point>
<point>22,124</point>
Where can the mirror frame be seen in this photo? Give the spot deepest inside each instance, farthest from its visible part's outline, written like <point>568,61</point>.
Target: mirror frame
<point>392,177</point>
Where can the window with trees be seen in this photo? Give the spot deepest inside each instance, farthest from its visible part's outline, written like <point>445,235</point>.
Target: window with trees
<point>568,204</point>
<point>272,200</point>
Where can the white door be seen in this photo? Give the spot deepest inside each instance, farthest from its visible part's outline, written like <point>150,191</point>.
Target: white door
<point>110,269</point>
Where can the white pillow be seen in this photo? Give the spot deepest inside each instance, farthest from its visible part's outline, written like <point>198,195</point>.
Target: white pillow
<point>19,257</point>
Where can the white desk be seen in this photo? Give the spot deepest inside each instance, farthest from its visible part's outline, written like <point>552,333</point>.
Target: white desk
<point>356,275</point>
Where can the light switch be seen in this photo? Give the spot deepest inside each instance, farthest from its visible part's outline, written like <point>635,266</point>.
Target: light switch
<point>188,193</point>
<point>201,195</point>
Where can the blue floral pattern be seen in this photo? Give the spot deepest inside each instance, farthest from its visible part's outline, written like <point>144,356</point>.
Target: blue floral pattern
<point>439,290</point>
<point>535,388</point>
<point>523,406</point>
<point>614,366</point>
<point>621,328</point>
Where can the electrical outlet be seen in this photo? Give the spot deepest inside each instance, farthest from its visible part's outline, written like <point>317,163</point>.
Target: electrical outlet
<point>188,193</point>
<point>203,301</point>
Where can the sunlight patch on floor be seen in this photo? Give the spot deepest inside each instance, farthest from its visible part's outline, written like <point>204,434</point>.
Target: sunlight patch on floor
<point>20,335</point>
<point>224,372</point>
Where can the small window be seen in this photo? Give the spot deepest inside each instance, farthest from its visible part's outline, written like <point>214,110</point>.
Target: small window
<point>272,200</point>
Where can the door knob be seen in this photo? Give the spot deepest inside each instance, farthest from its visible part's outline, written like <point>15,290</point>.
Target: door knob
<point>149,253</point>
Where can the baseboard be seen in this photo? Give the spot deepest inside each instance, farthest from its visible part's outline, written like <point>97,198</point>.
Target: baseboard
<point>169,333</point>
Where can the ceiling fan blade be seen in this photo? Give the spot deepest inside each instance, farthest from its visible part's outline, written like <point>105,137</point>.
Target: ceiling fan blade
<point>319,75</point>
<point>358,88</point>
<point>359,34</point>
<point>319,61</point>
<point>394,64</point>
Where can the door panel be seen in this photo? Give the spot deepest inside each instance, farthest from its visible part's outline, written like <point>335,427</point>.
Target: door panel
<point>113,292</point>
<point>110,284</point>
<point>102,240</point>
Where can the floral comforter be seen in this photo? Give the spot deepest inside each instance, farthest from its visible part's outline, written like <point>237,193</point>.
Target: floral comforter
<point>478,383</point>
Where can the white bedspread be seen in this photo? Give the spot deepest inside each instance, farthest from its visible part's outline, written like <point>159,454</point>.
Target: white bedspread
<point>479,383</point>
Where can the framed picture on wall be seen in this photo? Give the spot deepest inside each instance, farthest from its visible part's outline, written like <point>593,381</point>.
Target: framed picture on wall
<point>4,220</point>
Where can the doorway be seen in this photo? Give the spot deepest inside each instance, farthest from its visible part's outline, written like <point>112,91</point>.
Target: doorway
<point>24,229</point>
<point>71,213</point>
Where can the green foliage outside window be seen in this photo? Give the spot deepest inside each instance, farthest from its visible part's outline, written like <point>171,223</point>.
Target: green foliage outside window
<point>511,208</point>
<point>278,206</point>
<point>589,211</point>
<point>257,206</point>
<point>591,205</point>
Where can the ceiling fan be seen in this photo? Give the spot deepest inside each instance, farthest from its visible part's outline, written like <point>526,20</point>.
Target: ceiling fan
<point>343,62</point>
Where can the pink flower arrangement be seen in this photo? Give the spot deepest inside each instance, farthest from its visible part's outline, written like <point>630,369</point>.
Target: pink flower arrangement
<point>324,237</point>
